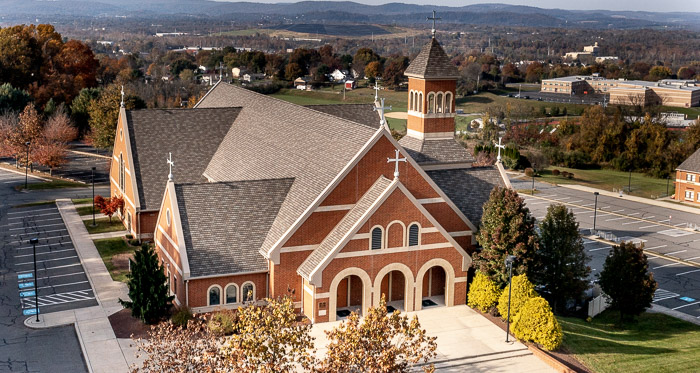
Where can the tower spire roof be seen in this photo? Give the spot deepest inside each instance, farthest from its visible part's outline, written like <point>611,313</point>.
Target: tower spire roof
<point>432,62</point>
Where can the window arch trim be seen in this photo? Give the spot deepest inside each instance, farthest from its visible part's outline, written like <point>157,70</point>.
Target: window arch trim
<point>418,234</point>
<point>381,238</point>
<point>403,233</point>
<point>236,295</point>
<point>244,294</point>
<point>209,295</point>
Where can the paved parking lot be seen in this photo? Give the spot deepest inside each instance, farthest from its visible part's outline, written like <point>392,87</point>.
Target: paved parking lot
<point>660,229</point>
<point>592,99</point>
<point>81,159</point>
<point>12,179</point>
<point>61,279</point>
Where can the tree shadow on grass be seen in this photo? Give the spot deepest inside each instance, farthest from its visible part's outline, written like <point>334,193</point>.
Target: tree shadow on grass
<point>474,100</point>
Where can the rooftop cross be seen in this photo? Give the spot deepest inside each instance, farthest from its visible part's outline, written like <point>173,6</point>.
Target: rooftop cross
<point>122,103</point>
<point>434,18</point>
<point>499,146</point>
<point>171,163</point>
<point>396,163</point>
<point>376,91</point>
<point>221,70</point>
<point>381,108</point>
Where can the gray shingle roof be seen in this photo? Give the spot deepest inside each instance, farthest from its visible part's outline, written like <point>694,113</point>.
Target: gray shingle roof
<point>468,188</point>
<point>276,139</point>
<point>692,163</point>
<point>427,152</point>
<point>432,62</point>
<point>358,113</point>
<point>191,135</point>
<point>224,224</point>
<point>344,226</point>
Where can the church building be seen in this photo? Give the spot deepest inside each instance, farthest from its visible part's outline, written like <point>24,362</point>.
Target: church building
<point>246,196</point>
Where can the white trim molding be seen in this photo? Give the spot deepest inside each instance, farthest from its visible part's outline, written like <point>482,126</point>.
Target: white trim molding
<point>334,208</point>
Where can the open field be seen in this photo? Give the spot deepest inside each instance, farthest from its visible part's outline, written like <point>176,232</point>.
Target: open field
<point>478,103</point>
<point>115,253</point>
<point>653,343</point>
<point>642,185</point>
<point>319,31</point>
<point>397,100</point>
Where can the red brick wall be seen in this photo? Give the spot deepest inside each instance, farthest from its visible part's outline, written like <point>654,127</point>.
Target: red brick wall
<point>395,235</point>
<point>431,125</point>
<point>683,185</point>
<point>198,288</point>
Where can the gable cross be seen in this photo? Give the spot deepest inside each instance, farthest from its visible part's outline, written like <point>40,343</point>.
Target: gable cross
<point>381,109</point>
<point>500,146</point>
<point>434,18</point>
<point>396,163</point>
<point>171,164</point>
<point>122,103</point>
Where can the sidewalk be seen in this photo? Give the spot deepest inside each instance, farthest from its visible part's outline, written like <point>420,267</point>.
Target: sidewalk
<point>99,236</point>
<point>101,349</point>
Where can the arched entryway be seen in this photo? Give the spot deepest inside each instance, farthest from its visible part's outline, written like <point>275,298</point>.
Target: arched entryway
<point>395,282</point>
<point>435,284</point>
<point>354,282</point>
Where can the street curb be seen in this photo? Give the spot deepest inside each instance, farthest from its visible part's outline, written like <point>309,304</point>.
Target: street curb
<point>655,308</point>
<point>549,360</point>
<point>9,168</point>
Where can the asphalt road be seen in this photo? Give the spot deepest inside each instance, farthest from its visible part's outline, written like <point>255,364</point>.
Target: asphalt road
<point>592,99</point>
<point>23,349</point>
<point>660,229</point>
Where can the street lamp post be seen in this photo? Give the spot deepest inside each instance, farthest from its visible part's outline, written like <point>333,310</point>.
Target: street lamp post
<point>533,178</point>
<point>509,263</point>
<point>595,209</point>
<point>34,241</point>
<point>93,197</point>
<point>26,167</point>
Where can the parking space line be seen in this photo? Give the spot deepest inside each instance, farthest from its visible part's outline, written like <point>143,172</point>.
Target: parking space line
<point>64,275</point>
<point>620,210</point>
<point>685,305</point>
<point>634,222</point>
<point>41,238</point>
<point>68,284</point>
<point>613,219</point>
<point>538,203</point>
<point>40,226</point>
<point>22,234</point>
<point>655,247</point>
<point>47,260</point>
<point>634,213</point>
<point>30,211</point>
<point>667,265</point>
<point>687,272</point>
<point>34,221</point>
<point>32,216</point>
<point>46,253</point>
<point>648,226</point>
<point>676,252</point>
<point>38,246</point>
<point>587,204</point>
<point>600,248</point>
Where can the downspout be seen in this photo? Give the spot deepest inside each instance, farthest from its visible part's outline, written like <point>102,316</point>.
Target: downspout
<point>187,293</point>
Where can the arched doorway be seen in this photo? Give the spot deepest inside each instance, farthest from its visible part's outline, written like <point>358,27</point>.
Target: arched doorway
<point>359,283</point>
<point>393,288</point>
<point>349,297</point>
<point>434,287</point>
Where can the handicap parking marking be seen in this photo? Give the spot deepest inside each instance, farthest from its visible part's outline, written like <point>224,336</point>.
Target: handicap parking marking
<point>675,232</point>
<point>28,293</point>
<point>23,276</point>
<point>25,285</point>
<point>661,294</point>
<point>30,311</point>
<point>59,298</point>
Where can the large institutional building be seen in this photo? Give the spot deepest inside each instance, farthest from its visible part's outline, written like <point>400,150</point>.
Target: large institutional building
<point>688,180</point>
<point>668,92</point>
<point>247,196</point>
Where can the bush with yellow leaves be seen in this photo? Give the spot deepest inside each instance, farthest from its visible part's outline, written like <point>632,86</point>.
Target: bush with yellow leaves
<point>523,290</point>
<point>536,323</point>
<point>483,293</point>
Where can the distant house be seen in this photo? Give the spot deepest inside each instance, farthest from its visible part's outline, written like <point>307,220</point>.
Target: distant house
<point>350,84</point>
<point>302,83</point>
<point>339,76</point>
<point>238,72</point>
<point>688,180</point>
<point>250,77</point>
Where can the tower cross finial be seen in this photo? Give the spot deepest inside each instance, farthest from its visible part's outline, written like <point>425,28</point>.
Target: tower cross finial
<point>171,164</point>
<point>381,109</point>
<point>122,103</point>
<point>396,163</point>
<point>376,91</point>
<point>221,71</point>
<point>500,146</point>
<point>434,18</point>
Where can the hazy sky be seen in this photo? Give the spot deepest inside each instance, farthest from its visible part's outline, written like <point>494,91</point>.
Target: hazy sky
<point>643,5</point>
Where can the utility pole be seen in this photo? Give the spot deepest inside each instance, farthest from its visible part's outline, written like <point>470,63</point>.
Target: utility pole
<point>509,263</point>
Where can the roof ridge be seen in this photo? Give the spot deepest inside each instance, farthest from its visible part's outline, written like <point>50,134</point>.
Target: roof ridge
<point>185,109</point>
<point>232,181</point>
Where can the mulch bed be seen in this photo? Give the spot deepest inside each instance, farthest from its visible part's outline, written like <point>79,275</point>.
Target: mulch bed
<point>561,355</point>
<point>124,325</point>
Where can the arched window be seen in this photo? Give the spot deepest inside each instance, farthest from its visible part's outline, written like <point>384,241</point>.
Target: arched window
<point>439,102</point>
<point>420,102</point>
<point>121,172</point>
<point>410,101</point>
<point>214,296</point>
<point>431,102</point>
<point>377,238</point>
<point>248,292</point>
<point>231,293</point>
<point>448,102</point>
<point>413,234</point>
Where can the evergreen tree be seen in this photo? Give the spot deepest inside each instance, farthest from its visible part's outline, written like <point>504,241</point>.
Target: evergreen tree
<point>560,264</point>
<point>507,228</point>
<point>13,99</point>
<point>626,279</point>
<point>148,287</point>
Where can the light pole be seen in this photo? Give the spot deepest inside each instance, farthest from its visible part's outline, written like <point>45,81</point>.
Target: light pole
<point>533,178</point>
<point>93,196</point>
<point>34,241</point>
<point>26,167</point>
<point>668,179</point>
<point>509,263</point>
<point>595,209</point>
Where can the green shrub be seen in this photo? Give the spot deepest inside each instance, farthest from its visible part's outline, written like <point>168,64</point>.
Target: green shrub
<point>129,236</point>
<point>223,322</point>
<point>523,290</point>
<point>555,172</point>
<point>536,323</point>
<point>483,293</point>
<point>134,242</point>
<point>182,316</point>
<point>529,172</point>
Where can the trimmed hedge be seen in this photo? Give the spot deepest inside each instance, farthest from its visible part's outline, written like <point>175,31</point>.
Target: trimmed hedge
<point>536,323</point>
<point>483,293</point>
<point>523,290</point>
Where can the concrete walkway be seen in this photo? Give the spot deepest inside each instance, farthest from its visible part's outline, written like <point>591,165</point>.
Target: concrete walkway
<point>99,236</point>
<point>101,349</point>
<point>466,341</point>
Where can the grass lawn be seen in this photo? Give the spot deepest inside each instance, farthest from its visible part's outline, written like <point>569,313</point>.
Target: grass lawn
<point>398,125</point>
<point>653,343</point>
<point>52,184</point>
<point>104,226</point>
<point>479,102</point>
<point>86,210</point>
<point>115,253</point>
<point>80,201</point>
<point>38,203</point>
<point>642,185</point>
<point>334,95</point>
<point>462,122</point>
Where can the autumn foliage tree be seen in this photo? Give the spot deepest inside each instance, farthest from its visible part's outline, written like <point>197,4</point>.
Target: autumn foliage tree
<point>379,342</point>
<point>109,206</point>
<point>507,228</point>
<point>53,144</point>
<point>104,114</point>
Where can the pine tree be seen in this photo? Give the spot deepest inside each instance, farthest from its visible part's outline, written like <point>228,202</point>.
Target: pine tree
<point>507,228</point>
<point>626,279</point>
<point>148,287</point>
<point>560,264</point>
